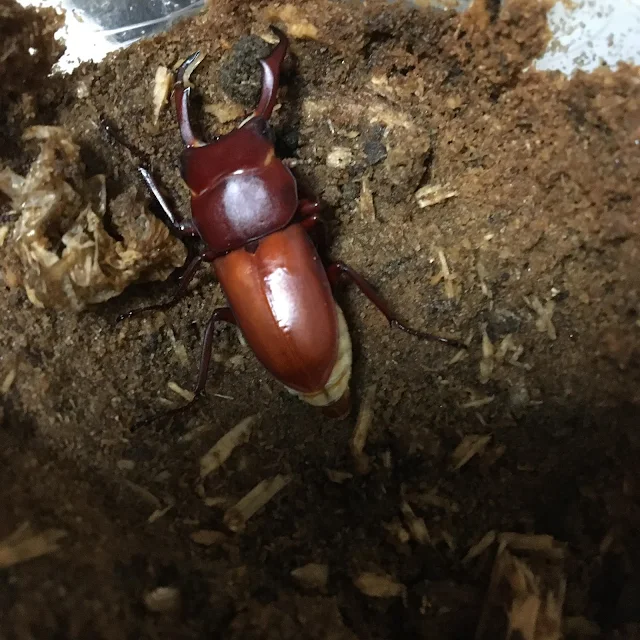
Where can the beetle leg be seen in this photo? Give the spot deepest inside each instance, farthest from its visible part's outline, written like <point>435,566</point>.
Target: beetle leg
<point>338,269</point>
<point>271,75</point>
<point>181,228</point>
<point>181,95</point>
<point>183,285</point>
<point>223,314</point>
<point>315,226</point>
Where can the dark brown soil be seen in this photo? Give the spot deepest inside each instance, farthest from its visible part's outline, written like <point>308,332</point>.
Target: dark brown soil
<point>546,172</point>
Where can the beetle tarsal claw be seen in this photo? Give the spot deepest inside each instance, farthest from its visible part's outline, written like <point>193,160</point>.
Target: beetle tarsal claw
<point>188,67</point>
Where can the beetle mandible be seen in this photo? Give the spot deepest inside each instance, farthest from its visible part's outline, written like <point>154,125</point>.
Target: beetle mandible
<point>247,211</point>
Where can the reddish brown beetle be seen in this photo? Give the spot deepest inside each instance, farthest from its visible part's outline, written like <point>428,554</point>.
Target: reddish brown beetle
<point>246,210</point>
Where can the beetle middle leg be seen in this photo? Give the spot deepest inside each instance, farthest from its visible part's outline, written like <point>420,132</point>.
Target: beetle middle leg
<point>222,314</point>
<point>338,269</point>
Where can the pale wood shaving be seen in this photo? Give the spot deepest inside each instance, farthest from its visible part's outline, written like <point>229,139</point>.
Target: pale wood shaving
<point>222,450</point>
<point>366,203</point>
<point>337,476</point>
<point>161,89</point>
<point>529,588</point>
<point>224,112</point>
<point>297,23</point>
<point>377,585</point>
<point>478,402</point>
<point>470,446</point>
<point>208,537</point>
<point>415,525</point>
<point>163,600</point>
<point>540,543</point>
<point>482,276</point>
<point>25,544</point>
<point>361,430</point>
<point>144,493</point>
<point>397,532</point>
<point>450,288</point>
<point>544,321</point>
<point>312,576</point>
<point>4,232</point>
<point>580,627</point>
<point>431,195</point>
<point>183,393</point>
<point>8,381</point>
<point>159,513</point>
<point>237,516</point>
<point>480,547</point>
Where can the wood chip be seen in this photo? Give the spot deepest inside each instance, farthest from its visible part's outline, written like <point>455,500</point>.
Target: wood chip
<point>480,547</point>
<point>433,194</point>
<point>222,450</point>
<point>163,600</point>
<point>415,525</point>
<point>469,447</point>
<point>4,232</point>
<point>312,576</point>
<point>161,89</point>
<point>237,516</point>
<point>24,544</point>
<point>183,393</point>
<point>377,585</point>
<point>361,430</point>
<point>208,537</point>
<point>366,204</point>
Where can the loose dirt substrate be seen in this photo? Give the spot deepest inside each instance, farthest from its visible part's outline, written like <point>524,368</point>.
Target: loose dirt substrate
<point>527,242</point>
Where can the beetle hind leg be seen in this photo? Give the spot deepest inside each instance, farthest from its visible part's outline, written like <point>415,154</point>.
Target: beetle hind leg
<point>338,269</point>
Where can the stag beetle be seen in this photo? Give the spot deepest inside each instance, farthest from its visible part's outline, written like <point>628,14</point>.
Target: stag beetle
<point>257,233</point>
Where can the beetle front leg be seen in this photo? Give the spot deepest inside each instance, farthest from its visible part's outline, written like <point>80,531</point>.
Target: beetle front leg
<point>223,314</point>
<point>313,223</point>
<point>183,285</point>
<point>181,228</point>
<point>339,269</point>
